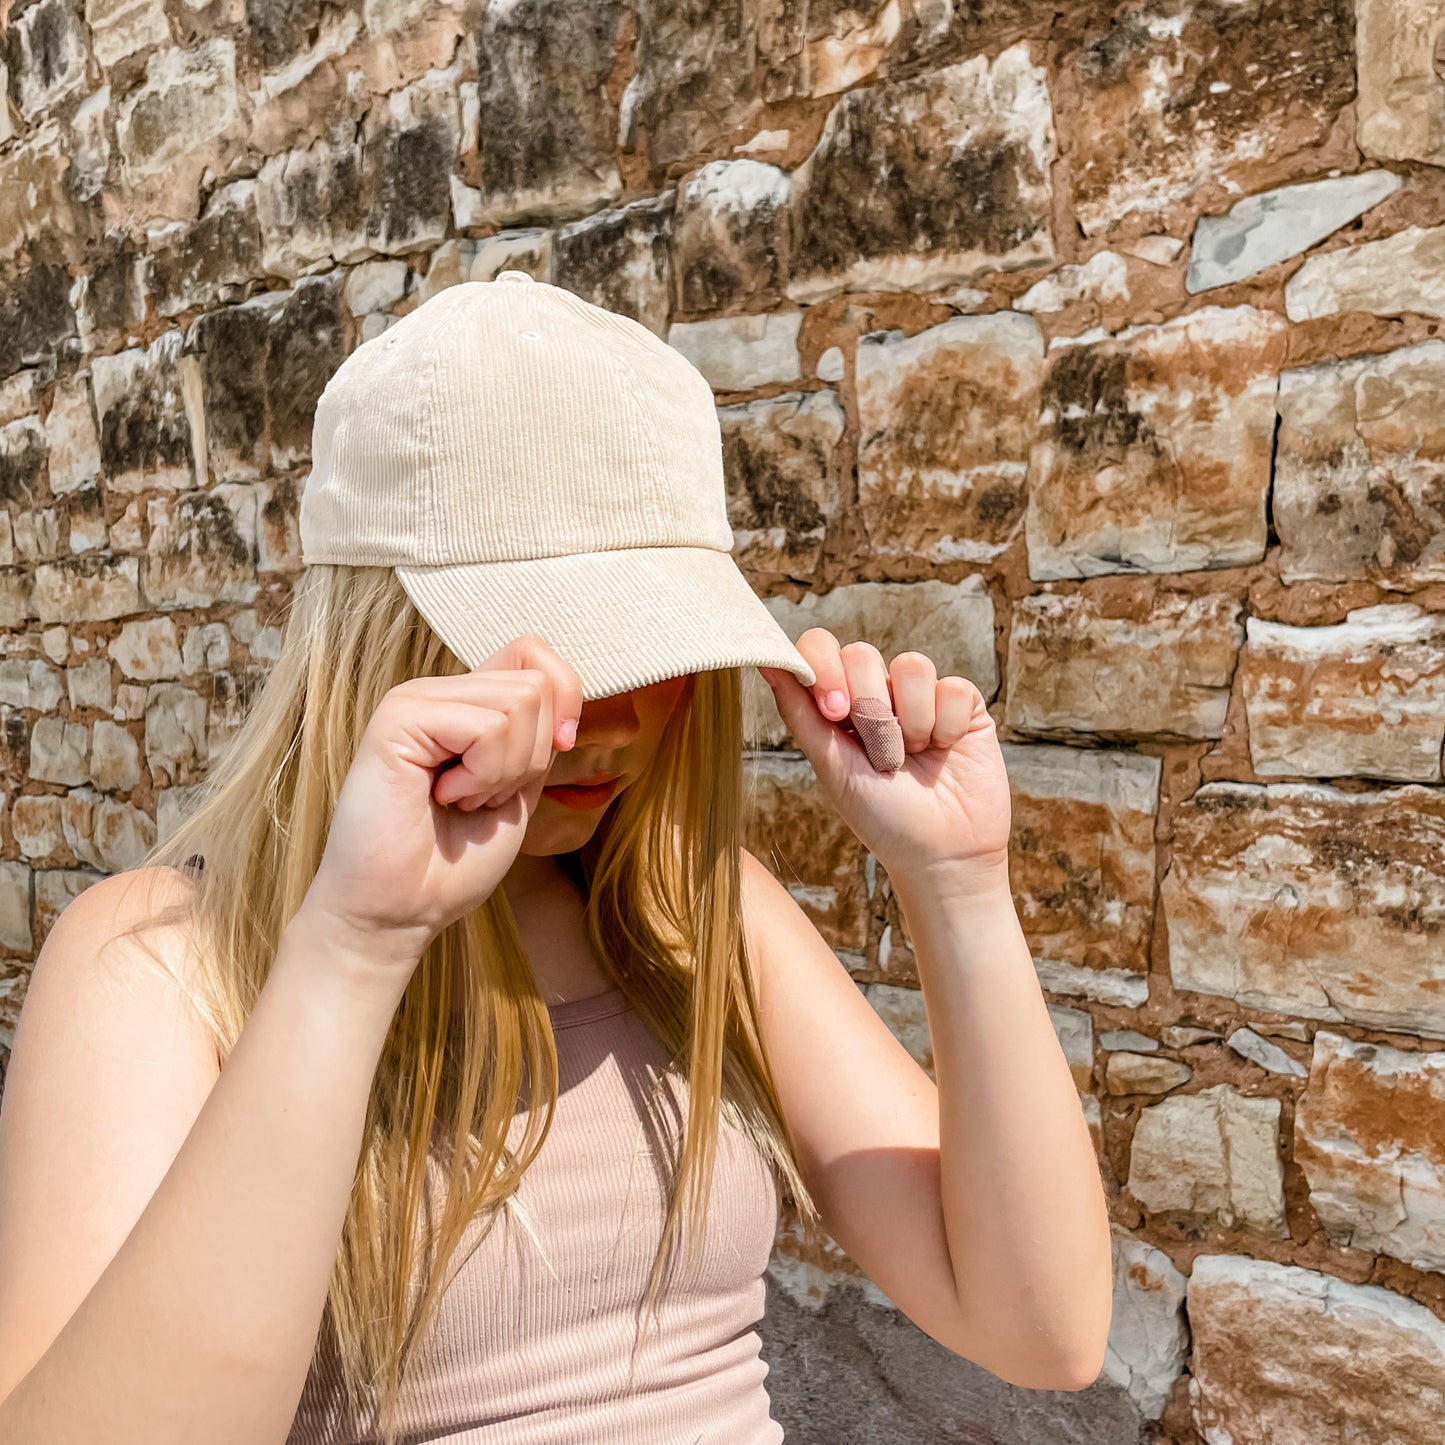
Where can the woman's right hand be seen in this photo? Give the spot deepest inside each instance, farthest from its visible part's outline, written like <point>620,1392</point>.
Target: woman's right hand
<point>433,809</point>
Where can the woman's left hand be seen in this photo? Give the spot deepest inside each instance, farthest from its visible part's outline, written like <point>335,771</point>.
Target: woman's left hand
<point>945,813</point>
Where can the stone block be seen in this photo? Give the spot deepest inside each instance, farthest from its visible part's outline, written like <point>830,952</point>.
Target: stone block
<point>208,261</point>
<point>1398,275</point>
<point>1213,1157</point>
<point>54,890</point>
<point>1162,670</point>
<point>202,549</point>
<point>1172,96</point>
<point>175,733</point>
<point>1082,853</point>
<point>47,53</point>
<point>927,182</point>
<point>89,684</point>
<point>740,353</point>
<point>71,440</point>
<point>1296,1357</point>
<point>1129,1073</point>
<point>189,98</point>
<point>23,462</point>
<point>1155,447</point>
<point>29,683</point>
<point>114,757</point>
<point>549,125</point>
<point>946,420</point>
<point>59,751</point>
<point>120,28</point>
<point>1367,1135</point>
<point>1362,698</point>
<point>1148,1338</point>
<point>87,588</point>
<point>1302,899</point>
<point>729,236</point>
<point>31,180</point>
<point>145,433</point>
<point>15,886</point>
<point>1401,107</point>
<point>1358,474</point>
<point>619,260</point>
<point>35,821</point>
<point>783,470</point>
<point>148,649</point>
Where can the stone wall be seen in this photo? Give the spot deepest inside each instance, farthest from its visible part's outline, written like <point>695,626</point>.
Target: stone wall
<point>1092,349</point>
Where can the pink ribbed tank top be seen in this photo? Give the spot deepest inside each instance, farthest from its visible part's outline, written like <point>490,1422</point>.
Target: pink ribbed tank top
<point>528,1350</point>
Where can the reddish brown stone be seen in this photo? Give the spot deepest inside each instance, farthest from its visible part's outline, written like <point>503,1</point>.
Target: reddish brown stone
<point>1155,447</point>
<point>1307,900</point>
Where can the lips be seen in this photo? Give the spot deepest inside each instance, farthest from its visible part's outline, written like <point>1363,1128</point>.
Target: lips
<point>582,795</point>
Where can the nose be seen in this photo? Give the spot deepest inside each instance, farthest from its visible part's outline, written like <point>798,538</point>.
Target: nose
<point>608,722</point>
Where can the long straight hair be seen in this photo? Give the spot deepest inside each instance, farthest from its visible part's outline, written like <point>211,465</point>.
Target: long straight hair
<point>663,920</point>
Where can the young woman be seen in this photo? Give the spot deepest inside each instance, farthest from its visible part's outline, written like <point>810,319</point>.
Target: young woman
<point>423,1086</point>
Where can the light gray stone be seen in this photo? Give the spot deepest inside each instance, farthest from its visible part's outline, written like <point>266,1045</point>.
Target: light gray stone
<point>831,365</point>
<point>1103,277</point>
<point>206,648</point>
<point>1258,1050</point>
<point>89,684</point>
<point>1263,230</point>
<point>1128,1039</point>
<point>739,353</point>
<point>29,684</point>
<point>375,285</point>
<point>1212,1155</point>
<point>189,97</point>
<point>1074,1028</point>
<point>48,46</point>
<point>119,28</point>
<point>58,751</point>
<point>1148,1338</point>
<point>175,736</point>
<point>15,907</point>
<point>74,447</point>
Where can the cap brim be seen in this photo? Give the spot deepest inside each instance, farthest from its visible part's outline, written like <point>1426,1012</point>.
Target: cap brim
<point>624,619</point>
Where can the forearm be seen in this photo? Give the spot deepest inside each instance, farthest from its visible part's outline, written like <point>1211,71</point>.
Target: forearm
<point>1022,1200</point>
<point>203,1324</point>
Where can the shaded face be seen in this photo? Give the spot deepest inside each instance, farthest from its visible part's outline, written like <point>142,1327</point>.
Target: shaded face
<point>615,735</point>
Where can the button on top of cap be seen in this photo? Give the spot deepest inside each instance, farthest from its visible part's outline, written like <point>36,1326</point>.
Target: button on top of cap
<point>514,276</point>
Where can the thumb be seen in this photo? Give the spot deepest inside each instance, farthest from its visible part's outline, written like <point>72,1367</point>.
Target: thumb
<point>818,736</point>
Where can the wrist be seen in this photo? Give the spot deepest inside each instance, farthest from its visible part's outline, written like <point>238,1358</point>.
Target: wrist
<point>364,969</point>
<point>976,881</point>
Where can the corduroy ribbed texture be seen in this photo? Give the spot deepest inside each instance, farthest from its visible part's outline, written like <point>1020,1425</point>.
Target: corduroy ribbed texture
<point>532,1342</point>
<point>530,462</point>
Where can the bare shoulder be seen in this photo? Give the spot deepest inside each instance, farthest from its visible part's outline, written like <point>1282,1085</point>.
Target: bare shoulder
<point>125,931</point>
<point>110,1066</point>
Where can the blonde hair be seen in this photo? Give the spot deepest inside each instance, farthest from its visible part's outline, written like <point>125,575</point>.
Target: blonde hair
<point>663,920</point>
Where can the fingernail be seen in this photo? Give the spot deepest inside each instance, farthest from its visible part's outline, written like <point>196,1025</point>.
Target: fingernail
<point>835,702</point>
<point>568,732</point>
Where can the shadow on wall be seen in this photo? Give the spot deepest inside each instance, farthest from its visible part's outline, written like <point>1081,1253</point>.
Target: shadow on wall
<point>854,1373</point>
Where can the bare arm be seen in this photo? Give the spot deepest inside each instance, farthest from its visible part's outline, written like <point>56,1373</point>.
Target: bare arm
<point>200,1325</point>
<point>974,1204</point>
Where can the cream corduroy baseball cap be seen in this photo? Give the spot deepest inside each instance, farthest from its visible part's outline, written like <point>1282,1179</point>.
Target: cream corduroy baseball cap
<point>529,462</point>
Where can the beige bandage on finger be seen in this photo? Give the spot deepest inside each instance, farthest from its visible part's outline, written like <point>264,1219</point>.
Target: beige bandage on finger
<point>879,732</point>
